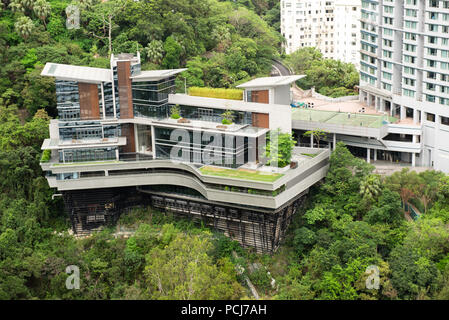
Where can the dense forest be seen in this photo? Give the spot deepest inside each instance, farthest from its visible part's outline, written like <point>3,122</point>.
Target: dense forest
<point>354,219</point>
<point>221,43</point>
<point>332,78</point>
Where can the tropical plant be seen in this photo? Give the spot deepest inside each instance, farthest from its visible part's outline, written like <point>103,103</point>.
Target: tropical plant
<point>155,51</point>
<point>228,117</point>
<point>370,187</point>
<point>175,112</point>
<point>317,134</point>
<point>24,27</point>
<point>16,6</point>
<point>279,148</point>
<point>42,9</point>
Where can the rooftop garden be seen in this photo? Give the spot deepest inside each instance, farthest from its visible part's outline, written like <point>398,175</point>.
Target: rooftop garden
<point>219,93</point>
<point>240,174</point>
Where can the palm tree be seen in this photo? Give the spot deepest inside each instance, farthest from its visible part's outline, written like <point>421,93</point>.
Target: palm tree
<point>42,9</point>
<point>24,27</point>
<point>27,3</point>
<point>370,187</point>
<point>16,6</point>
<point>155,51</point>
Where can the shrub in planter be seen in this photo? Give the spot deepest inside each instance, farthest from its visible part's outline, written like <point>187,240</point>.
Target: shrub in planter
<point>175,112</point>
<point>46,155</point>
<point>228,116</point>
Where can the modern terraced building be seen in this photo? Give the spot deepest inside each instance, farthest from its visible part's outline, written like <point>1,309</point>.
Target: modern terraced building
<point>124,138</point>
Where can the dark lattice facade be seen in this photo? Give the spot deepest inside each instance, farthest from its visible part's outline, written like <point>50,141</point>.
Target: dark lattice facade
<point>258,228</point>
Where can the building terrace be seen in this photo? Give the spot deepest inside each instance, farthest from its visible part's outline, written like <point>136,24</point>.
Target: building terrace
<point>342,118</point>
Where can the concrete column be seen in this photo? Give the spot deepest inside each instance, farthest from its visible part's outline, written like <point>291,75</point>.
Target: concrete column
<point>311,140</point>
<point>117,157</point>
<point>415,116</point>
<point>102,101</point>
<point>368,100</point>
<point>153,142</point>
<point>378,103</point>
<point>403,114</point>
<point>375,155</point>
<point>136,138</point>
<point>368,155</point>
<point>335,141</point>
<point>413,159</point>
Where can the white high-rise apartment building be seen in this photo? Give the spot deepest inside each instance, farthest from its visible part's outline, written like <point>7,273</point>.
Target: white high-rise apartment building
<point>405,71</point>
<point>331,26</point>
<point>347,31</point>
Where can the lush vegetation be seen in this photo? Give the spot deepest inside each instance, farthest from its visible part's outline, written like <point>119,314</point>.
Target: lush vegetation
<point>279,149</point>
<point>240,174</point>
<point>221,43</point>
<point>317,135</point>
<point>219,93</point>
<point>228,117</point>
<point>330,77</point>
<point>355,220</point>
<point>175,112</point>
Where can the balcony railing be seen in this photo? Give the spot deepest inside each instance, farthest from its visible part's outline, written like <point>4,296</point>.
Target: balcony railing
<point>135,157</point>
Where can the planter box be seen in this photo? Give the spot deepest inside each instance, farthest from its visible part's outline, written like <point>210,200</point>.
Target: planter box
<point>182,120</point>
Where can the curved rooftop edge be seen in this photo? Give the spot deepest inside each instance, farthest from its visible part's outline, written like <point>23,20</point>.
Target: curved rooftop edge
<point>167,172</point>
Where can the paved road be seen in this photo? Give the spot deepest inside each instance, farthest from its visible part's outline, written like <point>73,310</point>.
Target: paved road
<point>279,69</point>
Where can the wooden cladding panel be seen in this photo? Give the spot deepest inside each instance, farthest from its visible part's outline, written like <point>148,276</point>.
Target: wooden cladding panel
<point>128,132</point>
<point>261,120</point>
<point>89,104</point>
<point>260,96</point>
<point>125,89</point>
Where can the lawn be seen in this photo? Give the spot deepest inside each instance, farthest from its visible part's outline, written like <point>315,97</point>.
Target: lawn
<point>311,155</point>
<point>240,174</point>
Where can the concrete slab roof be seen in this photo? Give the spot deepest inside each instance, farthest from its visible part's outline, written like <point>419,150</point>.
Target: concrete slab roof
<point>76,73</point>
<point>224,104</point>
<point>271,81</point>
<point>156,74</point>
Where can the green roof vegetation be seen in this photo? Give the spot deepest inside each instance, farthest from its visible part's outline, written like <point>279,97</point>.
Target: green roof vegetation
<point>311,155</point>
<point>244,174</point>
<point>46,156</point>
<point>219,93</point>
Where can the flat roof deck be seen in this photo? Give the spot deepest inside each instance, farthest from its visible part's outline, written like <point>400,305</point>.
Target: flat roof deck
<point>342,118</point>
